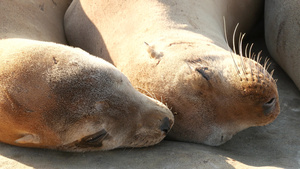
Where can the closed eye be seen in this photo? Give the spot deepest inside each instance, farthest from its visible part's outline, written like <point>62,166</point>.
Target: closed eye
<point>202,72</point>
<point>94,140</point>
<point>97,137</point>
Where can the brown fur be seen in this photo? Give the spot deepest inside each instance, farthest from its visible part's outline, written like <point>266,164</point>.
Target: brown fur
<point>59,97</point>
<point>186,61</point>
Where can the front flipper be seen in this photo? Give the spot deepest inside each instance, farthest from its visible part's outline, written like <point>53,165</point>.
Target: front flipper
<point>29,139</point>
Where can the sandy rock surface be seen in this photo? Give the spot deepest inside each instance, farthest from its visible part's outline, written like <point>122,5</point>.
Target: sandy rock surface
<point>274,146</point>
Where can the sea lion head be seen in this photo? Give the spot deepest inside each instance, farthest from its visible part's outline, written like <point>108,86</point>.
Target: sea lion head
<point>229,100</point>
<point>124,118</point>
<point>213,93</point>
<point>59,97</point>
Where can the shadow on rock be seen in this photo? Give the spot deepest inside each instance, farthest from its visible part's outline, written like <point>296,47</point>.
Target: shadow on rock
<point>165,155</point>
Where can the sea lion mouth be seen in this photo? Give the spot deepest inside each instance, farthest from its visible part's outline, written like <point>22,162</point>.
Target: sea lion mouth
<point>219,137</point>
<point>143,141</point>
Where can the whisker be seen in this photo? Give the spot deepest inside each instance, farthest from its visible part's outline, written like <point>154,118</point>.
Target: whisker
<point>265,65</point>
<point>266,62</point>
<point>253,56</point>
<point>258,59</point>
<point>247,54</point>
<point>250,50</point>
<point>162,101</point>
<point>268,66</point>
<point>246,48</point>
<point>150,95</point>
<point>233,37</point>
<point>154,96</point>
<point>225,33</point>
<point>241,37</point>
<point>272,72</point>
<point>239,44</point>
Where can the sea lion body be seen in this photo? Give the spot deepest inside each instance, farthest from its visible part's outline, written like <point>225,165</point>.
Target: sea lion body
<point>38,20</point>
<point>282,35</point>
<point>185,62</point>
<point>59,97</point>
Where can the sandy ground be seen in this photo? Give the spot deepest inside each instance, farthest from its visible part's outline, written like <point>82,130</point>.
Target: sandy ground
<point>273,146</point>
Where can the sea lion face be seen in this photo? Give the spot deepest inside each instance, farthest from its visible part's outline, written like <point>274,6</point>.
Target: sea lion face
<point>214,95</point>
<point>58,97</point>
<point>224,101</point>
<point>123,119</point>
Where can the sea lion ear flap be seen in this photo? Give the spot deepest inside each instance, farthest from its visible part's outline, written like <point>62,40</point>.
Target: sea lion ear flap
<point>29,139</point>
<point>152,52</point>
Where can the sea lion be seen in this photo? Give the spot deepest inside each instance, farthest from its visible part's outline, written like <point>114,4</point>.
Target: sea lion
<point>58,97</point>
<point>39,20</point>
<point>282,35</point>
<point>186,61</point>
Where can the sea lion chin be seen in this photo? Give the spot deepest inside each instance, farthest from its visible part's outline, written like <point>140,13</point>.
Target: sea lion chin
<point>59,97</point>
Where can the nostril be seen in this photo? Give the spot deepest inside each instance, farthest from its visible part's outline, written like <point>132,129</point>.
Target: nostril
<point>271,101</point>
<point>269,106</point>
<point>166,125</point>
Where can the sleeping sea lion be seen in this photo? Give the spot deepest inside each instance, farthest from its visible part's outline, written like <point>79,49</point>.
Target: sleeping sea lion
<point>58,97</point>
<point>186,61</point>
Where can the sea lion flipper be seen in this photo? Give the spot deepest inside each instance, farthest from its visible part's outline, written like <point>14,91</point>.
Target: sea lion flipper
<point>28,139</point>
